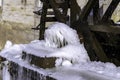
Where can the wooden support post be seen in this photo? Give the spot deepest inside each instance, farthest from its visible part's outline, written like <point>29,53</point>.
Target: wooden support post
<point>42,21</point>
<point>99,50</point>
<point>58,15</point>
<point>96,13</point>
<point>75,11</point>
<point>65,8</point>
<point>109,11</point>
<point>87,10</point>
<point>82,27</point>
<point>91,44</point>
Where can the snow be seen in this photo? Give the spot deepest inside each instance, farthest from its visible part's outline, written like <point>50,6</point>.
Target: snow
<point>38,48</point>
<point>73,53</point>
<point>8,44</point>
<point>66,63</point>
<point>72,62</point>
<point>88,71</point>
<point>14,50</point>
<point>107,69</point>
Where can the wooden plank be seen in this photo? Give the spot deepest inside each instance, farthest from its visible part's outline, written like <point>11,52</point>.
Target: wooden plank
<point>42,62</point>
<point>87,9</point>
<point>59,5</point>
<point>106,28</point>
<point>99,51</point>
<point>53,19</point>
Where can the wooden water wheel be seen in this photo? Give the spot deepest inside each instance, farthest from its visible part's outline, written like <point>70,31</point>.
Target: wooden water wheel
<point>101,39</point>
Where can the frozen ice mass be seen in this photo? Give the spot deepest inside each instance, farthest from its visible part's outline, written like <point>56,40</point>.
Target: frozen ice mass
<point>72,61</point>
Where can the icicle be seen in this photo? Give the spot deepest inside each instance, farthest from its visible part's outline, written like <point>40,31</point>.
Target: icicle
<point>5,71</point>
<point>59,35</point>
<point>20,73</point>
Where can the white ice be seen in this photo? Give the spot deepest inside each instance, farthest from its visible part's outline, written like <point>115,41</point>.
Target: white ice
<point>13,50</point>
<point>64,38</point>
<point>59,35</point>
<point>6,74</point>
<point>8,44</point>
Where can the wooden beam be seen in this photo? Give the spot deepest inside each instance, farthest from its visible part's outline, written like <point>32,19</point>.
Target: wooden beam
<point>96,13</point>
<point>42,21</point>
<point>106,28</point>
<point>83,29</point>
<point>87,9</point>
<point>53,19</point>
<point>58,15</point>
<point>99,51</point>
<point>75,11</point>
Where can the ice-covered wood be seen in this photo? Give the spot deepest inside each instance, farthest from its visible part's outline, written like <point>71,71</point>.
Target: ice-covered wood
<point>42,62</point>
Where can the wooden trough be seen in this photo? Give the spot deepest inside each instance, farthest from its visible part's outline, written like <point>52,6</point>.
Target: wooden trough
<point>28,71</point>
<point>42,62</point>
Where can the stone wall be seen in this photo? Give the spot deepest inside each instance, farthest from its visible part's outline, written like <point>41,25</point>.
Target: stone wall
<point>16,32</point>
<point>14,10</point>
<point>16,22</point>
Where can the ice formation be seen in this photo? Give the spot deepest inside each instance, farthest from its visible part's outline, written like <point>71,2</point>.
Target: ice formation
<point>14,50</point>
<point>61,41</point>
<point>8,44</point>
<point>6,74</point>
<point>59,35</point>
<point>72,59</point>
<point>64,38</point>
<point>73,53</point>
